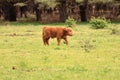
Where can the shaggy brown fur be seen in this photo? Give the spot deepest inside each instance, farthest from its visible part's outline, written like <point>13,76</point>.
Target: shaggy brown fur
<point>56,32</point>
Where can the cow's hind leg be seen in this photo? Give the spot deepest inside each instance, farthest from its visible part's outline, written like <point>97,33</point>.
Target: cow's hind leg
<point>44,38</point>
<point>44,41</point>
<point>47,41</point>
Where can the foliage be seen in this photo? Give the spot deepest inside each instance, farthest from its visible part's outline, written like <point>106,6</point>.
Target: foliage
<point>114,29</point>
<point>118,18</point>
<point>99,23</point>
<point>20,4</point>
<point>96,1</point>
<point>11,0</point>
<point>87,45</point>
<point>49,3</point>
<point>79,0</point>
<point>70,22</point>
<point>103,1</point>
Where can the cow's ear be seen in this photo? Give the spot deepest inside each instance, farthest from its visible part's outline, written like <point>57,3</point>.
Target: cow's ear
<point>65,30</point>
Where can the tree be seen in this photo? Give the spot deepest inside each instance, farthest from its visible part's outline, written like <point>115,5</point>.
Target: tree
<point>83,9</point>
<point>22,7</point>
<point>8,9</point>
<point>84,6</point>
<point>43,5</point>
<point>62,10</point>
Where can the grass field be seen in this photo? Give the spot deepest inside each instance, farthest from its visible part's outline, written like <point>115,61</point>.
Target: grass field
<point>90,55</point>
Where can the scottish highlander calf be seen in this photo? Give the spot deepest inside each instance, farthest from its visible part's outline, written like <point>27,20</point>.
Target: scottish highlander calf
<point>56,32</point>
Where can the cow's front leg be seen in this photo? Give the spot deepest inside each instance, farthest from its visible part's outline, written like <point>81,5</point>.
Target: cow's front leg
<point>58,41</point>
<point>66,40</point>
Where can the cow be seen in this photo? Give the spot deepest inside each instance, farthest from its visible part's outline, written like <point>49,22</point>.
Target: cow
<point>56,32</point>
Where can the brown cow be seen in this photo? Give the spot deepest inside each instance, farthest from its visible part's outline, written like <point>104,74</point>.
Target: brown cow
<point>56,32</point>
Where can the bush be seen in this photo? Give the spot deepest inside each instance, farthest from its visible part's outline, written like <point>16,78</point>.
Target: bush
<point>118,18</point>
<point>70,22</point>
<point>114,29</point>
<point>87,44</point>
<point>99,23</point>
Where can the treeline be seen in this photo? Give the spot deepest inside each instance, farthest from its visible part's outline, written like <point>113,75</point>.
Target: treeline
<point>47,11</point>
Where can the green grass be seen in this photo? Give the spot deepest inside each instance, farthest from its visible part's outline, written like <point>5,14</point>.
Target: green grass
<point>31,23</point>
<point>90,55</point>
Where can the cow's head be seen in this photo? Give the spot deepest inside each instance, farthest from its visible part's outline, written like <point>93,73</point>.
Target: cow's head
<point>68,31</point>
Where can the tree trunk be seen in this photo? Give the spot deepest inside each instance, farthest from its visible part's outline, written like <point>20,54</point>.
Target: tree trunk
<point>62,11</point>
<point>9,11</point>
<point>23,10</point>
<point>83,11</point>
<point>12,14</point>
<point>38,12</point>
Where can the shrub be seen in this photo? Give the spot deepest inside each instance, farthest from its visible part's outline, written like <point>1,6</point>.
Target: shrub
<point>99,23</point>
<point>114,30</point>
<point>87,45</point>
<point>118,18</point>
<point>70,22</point>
